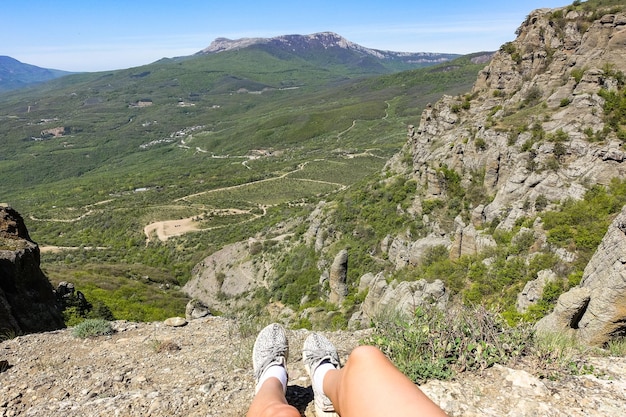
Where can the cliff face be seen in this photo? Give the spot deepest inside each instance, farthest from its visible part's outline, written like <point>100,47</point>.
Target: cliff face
<point>533,123</point>
<point>27,299</point>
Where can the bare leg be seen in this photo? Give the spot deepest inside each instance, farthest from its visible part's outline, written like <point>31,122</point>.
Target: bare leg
<point>269,358</point>
<point>270,401</point>
<point>370,385</point>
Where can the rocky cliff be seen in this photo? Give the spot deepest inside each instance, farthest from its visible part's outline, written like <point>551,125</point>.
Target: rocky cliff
<point>27,299</point>
<point>533,123</point>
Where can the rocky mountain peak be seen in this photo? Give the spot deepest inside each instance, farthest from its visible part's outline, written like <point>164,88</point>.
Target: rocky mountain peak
<point>322,40</point>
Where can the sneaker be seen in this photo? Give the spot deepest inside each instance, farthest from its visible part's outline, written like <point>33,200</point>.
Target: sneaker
<point>318,350</point>
<point>270,348</point>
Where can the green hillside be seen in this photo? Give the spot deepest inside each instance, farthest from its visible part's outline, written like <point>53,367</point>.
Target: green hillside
<point>91,159</point>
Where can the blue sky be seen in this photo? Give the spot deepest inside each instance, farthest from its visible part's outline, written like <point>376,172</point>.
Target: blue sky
<point>92,35</point>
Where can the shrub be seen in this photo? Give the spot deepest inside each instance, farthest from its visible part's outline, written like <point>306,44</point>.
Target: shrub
<point>508,48</point>
<point>578,73</point>
<point>533,96</point>
<point>480,144</point>
<point>92,328</point>
<point>436,344</point>
<point>541,202</point>
<point>428,206</point>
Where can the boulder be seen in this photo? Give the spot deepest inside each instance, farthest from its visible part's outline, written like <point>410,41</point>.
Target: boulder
<point>196,309</point>
<point>175,322</point>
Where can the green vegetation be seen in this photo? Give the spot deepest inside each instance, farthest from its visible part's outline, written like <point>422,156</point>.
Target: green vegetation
<point>91,159</point>
<point>436,345</point>
<point>134,292</point>
<point>92,328</point>
<point>615,107</point>
<point>580,225</point>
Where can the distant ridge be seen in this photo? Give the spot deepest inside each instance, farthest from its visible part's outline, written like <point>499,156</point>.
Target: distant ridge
<point>325,41</point>
<point>15,74</point>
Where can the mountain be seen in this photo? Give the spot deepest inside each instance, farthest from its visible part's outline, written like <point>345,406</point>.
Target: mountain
<point>229,143</point>
<point>15,74</point>
<point>508,186</point>
<point>330,47</point>
<point>320,204</point>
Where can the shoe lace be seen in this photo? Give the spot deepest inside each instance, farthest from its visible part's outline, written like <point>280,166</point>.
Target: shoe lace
<point>274,355</point>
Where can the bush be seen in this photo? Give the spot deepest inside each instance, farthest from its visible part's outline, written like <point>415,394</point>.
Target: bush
<point>437,344</point>
<point>92,328</point>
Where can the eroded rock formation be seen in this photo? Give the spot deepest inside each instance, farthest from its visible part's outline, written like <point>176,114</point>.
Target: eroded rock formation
<point>27,299</point>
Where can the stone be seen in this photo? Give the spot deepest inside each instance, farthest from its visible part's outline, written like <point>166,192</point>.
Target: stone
<point>196,309</point>
<point>595,311</point>
<point>403,297</point>
<point>175,322</point>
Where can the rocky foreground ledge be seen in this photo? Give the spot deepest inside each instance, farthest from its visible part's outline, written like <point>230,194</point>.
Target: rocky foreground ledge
<point>204,369</point>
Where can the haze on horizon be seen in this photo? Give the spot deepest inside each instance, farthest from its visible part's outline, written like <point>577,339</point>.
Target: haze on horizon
<point>73,35</point>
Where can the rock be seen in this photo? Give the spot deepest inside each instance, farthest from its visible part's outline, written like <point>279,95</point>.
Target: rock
<point>366,281</point>
<point>196,309</point>
<point>175,322</point>
<point>338,276</point>
<point>566,315</point>
<point>469,241</point>
<point>27,299</point>
<point>533,290</point>
<point>542,60</point>
<point>403,297</point>
<point>65,289</point>
<point>403,252</point>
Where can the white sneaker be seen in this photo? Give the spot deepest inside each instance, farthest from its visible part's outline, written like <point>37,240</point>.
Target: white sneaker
<point>270,348</point>
<point>316,351</point>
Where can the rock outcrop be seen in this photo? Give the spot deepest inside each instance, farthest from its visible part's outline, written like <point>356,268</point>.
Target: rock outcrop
<point>533,290</point>
<point>338,276</point>
<point>402,297</point>
<point>553,72</point>
<point>595,311</point>
<point>27,300</point>
<point>196,309</point>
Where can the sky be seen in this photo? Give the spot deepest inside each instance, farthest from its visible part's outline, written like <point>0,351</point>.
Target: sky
<point>94,35</point>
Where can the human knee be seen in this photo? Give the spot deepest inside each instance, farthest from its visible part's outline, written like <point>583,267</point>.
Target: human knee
<point>365,354</point>
<point>280,410</point>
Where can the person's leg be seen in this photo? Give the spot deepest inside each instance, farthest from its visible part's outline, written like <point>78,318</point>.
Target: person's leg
<point>370,385</point>
<point>270,401</point>
<point>269,359</point>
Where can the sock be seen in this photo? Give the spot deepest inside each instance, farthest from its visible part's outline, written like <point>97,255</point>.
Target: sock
<point>274,371</point>
<point>319,374</point>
